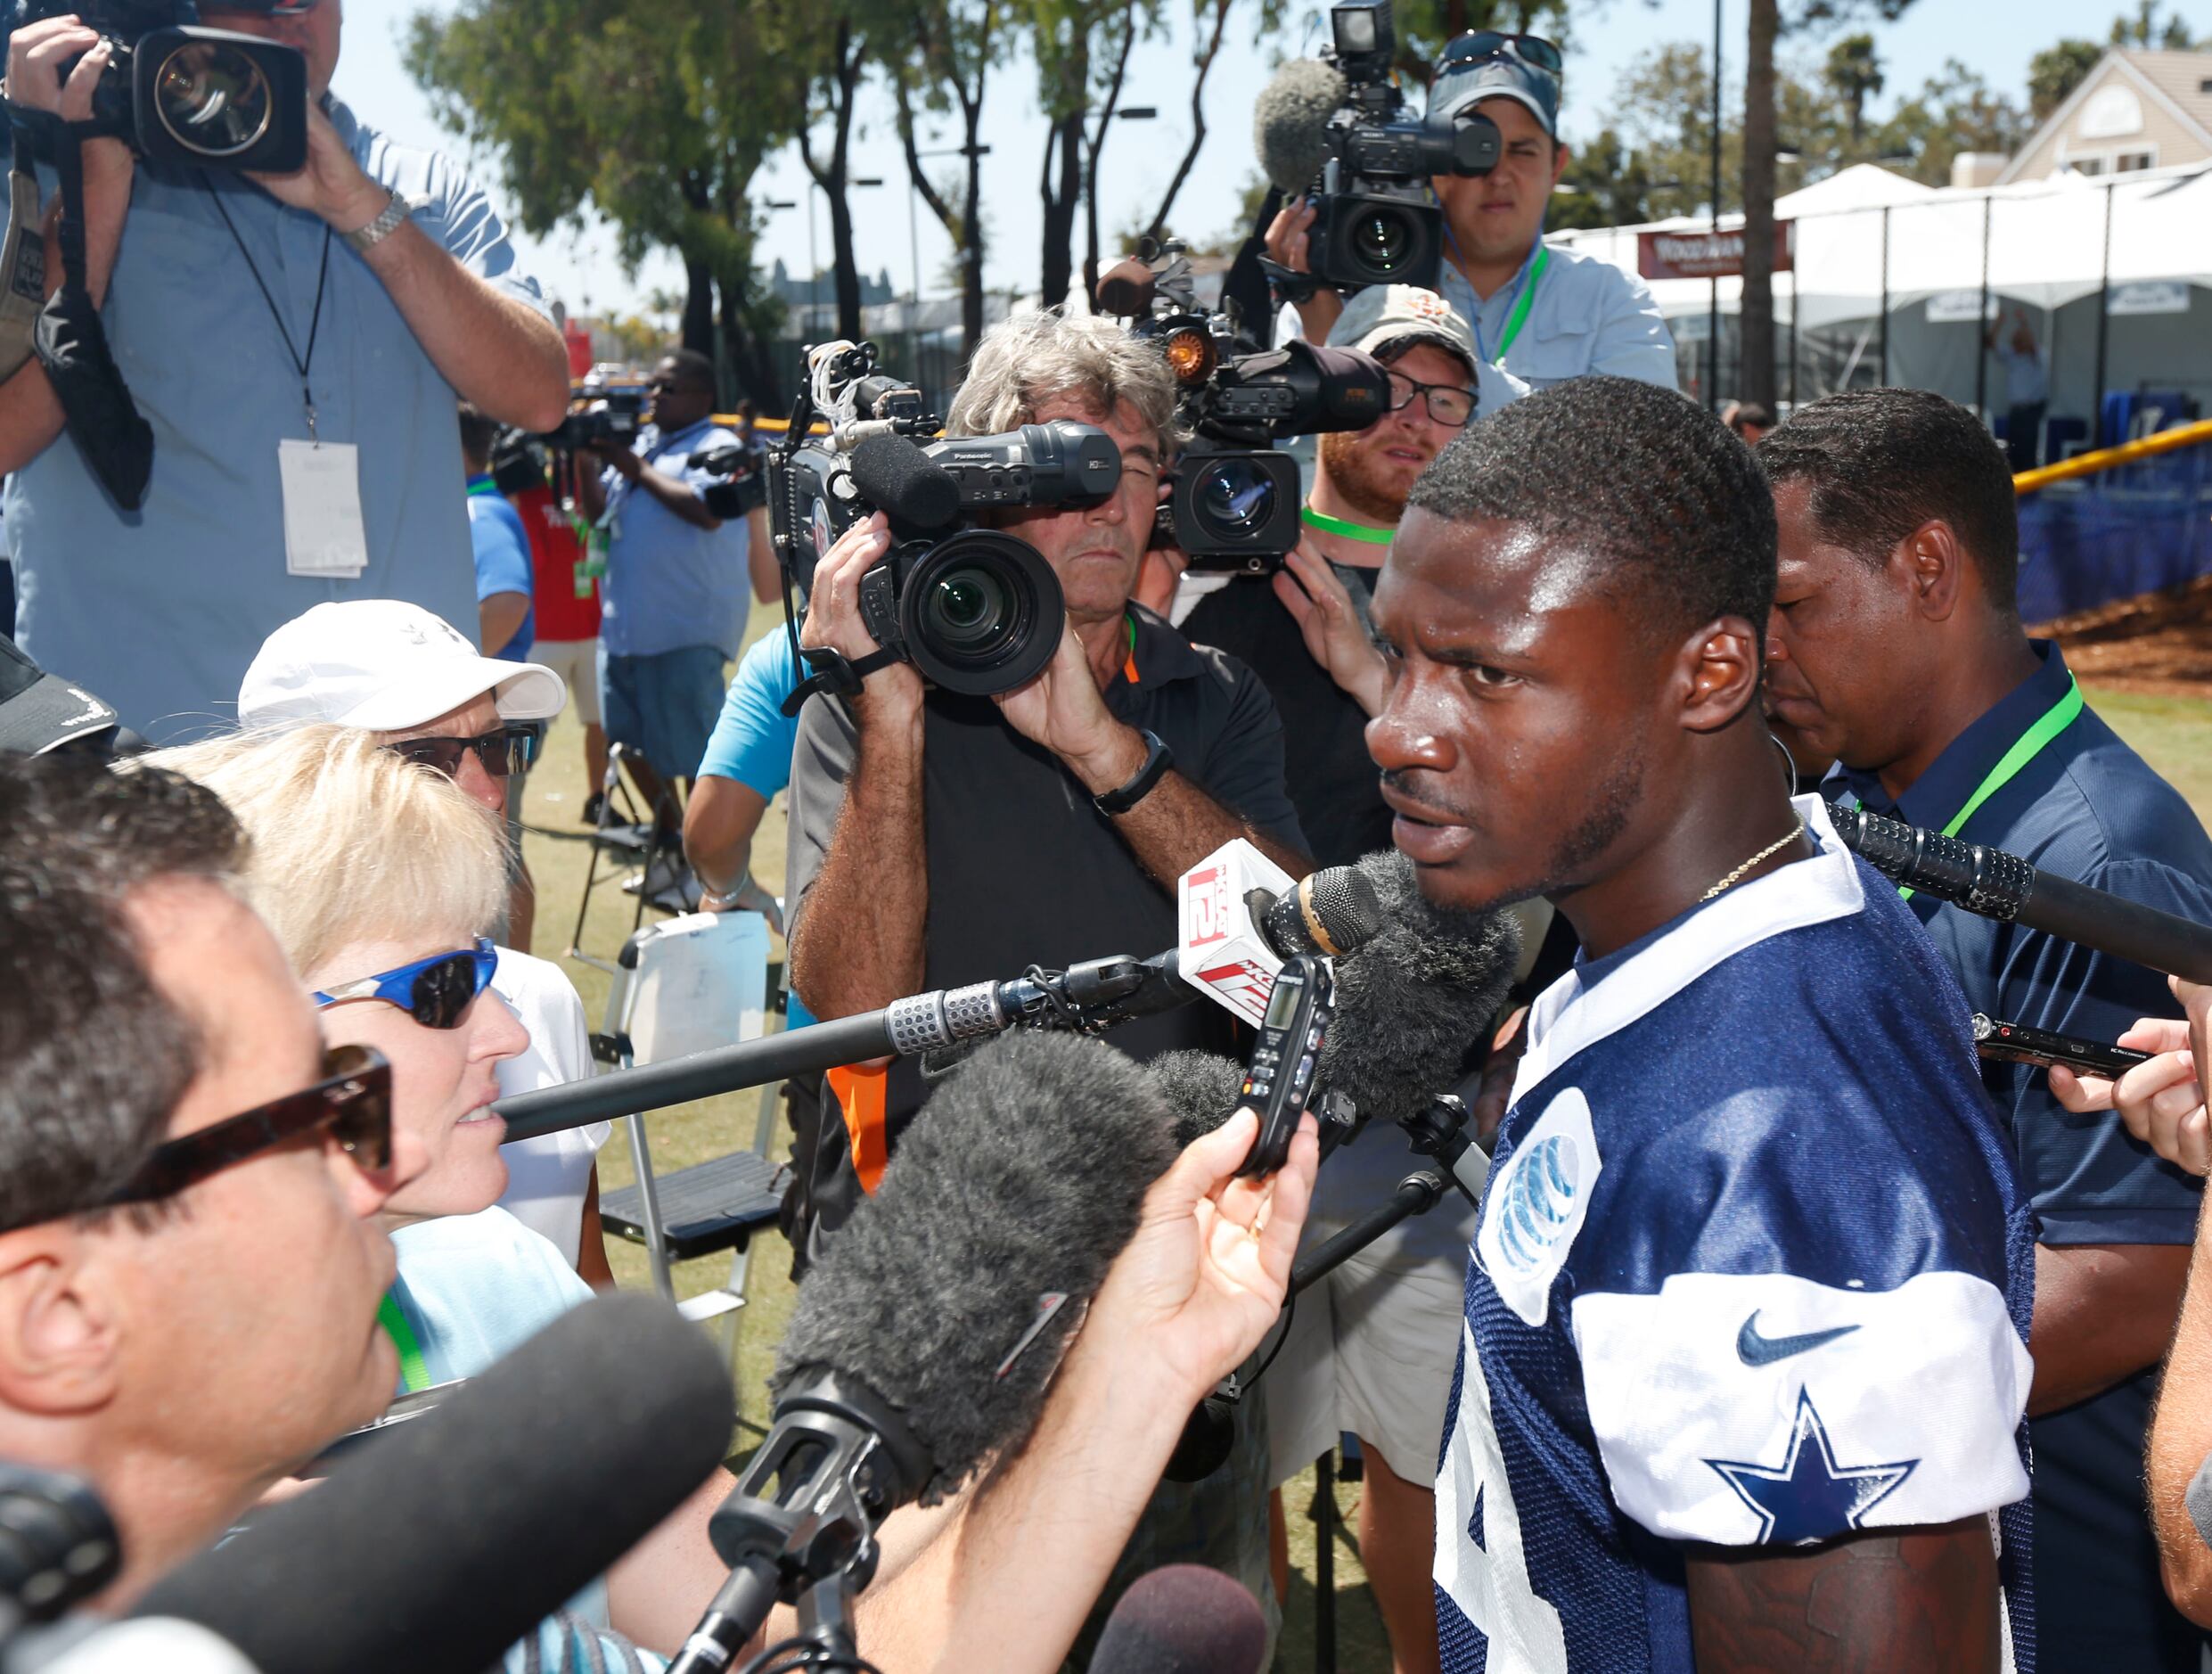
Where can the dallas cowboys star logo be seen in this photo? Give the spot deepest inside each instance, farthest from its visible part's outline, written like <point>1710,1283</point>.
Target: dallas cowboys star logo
<point>1809,1496</point>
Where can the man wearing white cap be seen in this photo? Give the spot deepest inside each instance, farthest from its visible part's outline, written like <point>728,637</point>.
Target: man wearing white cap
<point>397,670</point>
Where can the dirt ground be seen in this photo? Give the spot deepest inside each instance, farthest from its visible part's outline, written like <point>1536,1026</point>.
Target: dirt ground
<point>2159,642</point>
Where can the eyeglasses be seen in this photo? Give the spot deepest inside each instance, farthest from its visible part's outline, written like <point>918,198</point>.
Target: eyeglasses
<point>1448,403</point>
<point>353,1100</point>
<point>511,749</point>
<point>436,992</point>
<point>1532,50</point>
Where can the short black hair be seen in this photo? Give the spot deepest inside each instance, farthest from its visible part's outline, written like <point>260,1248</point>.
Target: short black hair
<point>1881,463</point>
<point>1749,415</point>
<point>93,1058</point>
<point>1629,472</point>
<point>478,433</point>
<point>695,369</point>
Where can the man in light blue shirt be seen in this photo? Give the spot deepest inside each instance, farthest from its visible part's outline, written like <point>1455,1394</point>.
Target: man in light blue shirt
<point>1542,312</point>
<point>672,605</point>
<point>210,283</point>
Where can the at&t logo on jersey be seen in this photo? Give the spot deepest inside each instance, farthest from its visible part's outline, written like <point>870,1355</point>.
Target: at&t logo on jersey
<point>1532,1213</point>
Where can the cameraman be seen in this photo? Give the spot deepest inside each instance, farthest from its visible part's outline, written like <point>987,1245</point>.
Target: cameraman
<point>349,303</point>
<point>938,839</point>
<point>1542,312</point>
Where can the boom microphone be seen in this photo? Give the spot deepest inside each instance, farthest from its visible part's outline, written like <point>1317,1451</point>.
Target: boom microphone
<point>1291,121</point>
<point>1994,884</point>
<point>916,494</point>
<point>436,1549</point>
<point>1183,1620</point>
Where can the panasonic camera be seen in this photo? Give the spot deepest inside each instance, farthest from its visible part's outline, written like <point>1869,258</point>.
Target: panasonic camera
<point>975,610</point>
<point>1376,218</point>
<point>177,92</point>
<point>1234,500</point>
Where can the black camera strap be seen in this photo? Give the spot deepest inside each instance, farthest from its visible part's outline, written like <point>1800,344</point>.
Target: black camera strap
<point>835,673</point>
<point>300,363</point>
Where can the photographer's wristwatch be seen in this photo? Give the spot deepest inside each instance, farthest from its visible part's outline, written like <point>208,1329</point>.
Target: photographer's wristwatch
<point>1157,760</point>
<point>364,239</point>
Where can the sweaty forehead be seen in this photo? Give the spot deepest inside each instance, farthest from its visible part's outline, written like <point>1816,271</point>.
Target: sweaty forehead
<point>1485,569</point>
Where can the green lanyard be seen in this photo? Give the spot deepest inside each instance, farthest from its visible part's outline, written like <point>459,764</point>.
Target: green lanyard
<point>1341,526</point>
<point>415,1372</point>
<point>482,485</point>
<point>2025,748</point>
<point>1519,315</point>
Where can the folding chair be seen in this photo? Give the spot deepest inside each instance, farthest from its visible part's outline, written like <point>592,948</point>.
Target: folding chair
<point>622,830</point>
<point>695,981</point>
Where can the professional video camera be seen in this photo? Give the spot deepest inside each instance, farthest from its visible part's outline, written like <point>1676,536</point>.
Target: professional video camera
<point>607,418</point>
<point>1234,501</point>
<point>974,609</point>
<point>1376,218</point>
<point>177,92</point>
<point>742,484</point>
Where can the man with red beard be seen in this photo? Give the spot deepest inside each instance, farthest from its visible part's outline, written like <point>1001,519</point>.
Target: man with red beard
<point>1369,1351</point>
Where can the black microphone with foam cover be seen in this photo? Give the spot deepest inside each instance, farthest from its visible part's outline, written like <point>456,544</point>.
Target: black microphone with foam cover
<point>1290,123</point>
<point>1183,1620</point>
<point>896,477</point>
<point>438,1548</point>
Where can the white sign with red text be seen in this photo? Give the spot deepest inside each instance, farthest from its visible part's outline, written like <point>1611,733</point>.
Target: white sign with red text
<point>1223,955</point>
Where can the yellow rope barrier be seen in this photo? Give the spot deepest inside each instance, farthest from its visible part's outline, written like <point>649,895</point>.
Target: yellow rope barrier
<point>2108,458</point>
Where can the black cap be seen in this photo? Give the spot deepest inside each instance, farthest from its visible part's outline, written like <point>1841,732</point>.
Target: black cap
<point>40,711</point>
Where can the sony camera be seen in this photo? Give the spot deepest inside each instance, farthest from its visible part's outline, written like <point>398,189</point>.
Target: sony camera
<point>177,92</point>
<point>1234,500</point>
<point>975,610</point>
<point>1376,218</point>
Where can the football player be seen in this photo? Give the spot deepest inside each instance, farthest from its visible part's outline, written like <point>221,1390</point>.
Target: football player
<point>1745,1359</point>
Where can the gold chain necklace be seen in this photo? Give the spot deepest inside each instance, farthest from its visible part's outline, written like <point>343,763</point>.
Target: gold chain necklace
<point>1772,849</point>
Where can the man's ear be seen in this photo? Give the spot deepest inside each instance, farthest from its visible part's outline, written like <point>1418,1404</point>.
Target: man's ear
<point>59,1339</point>
<point>1719,670</point>
<point>1562,153</point>
<point>1931,565</point>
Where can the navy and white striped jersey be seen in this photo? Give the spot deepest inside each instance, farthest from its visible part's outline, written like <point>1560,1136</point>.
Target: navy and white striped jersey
<point>1753,1268</point>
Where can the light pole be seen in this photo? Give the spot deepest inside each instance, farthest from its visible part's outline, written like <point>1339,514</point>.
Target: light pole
<point>914,240</point>
<point>1128,113</point>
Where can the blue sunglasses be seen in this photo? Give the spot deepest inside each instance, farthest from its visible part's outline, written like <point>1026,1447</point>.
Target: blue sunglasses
<point>436,992</point>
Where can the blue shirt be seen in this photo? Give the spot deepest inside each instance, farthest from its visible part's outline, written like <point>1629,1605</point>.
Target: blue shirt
<point>159,611</point>
<point>502,558</point>
<point>474,1288</point>
<point>2086,807</point>
<point>1742,1284</point>
<point>669,584</point>
<point>753,740</point>
<point>1587,316</point>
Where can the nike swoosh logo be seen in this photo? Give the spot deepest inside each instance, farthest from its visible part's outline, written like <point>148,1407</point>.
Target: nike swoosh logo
<point>1754,1350</point>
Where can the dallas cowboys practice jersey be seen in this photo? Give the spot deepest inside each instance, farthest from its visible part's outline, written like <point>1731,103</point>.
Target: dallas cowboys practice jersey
<point>1753,1268</point>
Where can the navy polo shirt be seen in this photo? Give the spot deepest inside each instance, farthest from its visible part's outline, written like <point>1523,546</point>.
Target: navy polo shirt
<point>2086,807</point>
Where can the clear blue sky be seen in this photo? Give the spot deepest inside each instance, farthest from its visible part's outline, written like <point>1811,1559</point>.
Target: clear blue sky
<point>581,269</point>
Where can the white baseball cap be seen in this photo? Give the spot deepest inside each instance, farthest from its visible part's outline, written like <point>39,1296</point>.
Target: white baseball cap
<point>386,666</point>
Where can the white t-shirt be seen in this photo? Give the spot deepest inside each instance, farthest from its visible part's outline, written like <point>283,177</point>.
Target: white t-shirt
<point>547,1175</point>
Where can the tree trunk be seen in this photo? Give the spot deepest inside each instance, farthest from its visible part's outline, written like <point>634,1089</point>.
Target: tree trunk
<point>747,354</point>
<point>1090,162</point>
<point>972,244</point>
<point>1756,319</point>
<point>1063,156</point>
<point>697,328</point>
<point>844,79</point>
<point>1203,61</point>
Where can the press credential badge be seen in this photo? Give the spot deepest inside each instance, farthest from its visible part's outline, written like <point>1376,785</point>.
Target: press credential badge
<point>323,534</point>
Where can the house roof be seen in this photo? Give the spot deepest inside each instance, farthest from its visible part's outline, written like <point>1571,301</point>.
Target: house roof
<point>2178,81</point>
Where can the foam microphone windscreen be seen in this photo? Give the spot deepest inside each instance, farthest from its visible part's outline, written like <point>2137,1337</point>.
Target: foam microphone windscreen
<point>436,1547</point>
<point>1291,122</point>
<point>1019,1181</point>
<point>1183,1620</point>
<point>1413,1001</point>
<point>895,475</point>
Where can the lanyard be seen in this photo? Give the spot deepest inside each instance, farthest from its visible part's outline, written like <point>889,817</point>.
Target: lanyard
<point>483,485</point>
<point>1348,530</point>
<point>2026,748</point>
<point>1519,315</point>
<point>415,1372</point>
<point>300,363</point>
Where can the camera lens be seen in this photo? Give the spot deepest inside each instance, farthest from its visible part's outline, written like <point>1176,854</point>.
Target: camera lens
<point>1381,240</point>
<point>981,611</point>
<point>1235,497</point>
<point>967,610</point>
<point>213,99</point>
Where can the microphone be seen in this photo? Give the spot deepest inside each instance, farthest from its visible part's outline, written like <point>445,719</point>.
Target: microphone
<point>924,1338</point>
<point>1290,123</point>
<point>436,1550</point>
<point>891,472</point>
<point>1994,884</point>
<point>1330,912</point>
<point>1183,1620</point>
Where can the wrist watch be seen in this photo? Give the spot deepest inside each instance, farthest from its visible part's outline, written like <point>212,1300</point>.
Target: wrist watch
<point>1157,760</point>
<point>396,209</point>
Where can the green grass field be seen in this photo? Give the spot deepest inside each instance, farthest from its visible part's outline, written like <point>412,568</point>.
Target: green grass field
<point>2171,732</point>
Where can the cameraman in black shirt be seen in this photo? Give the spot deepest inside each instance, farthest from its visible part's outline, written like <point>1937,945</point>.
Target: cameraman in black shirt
<point>1308,642</point>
